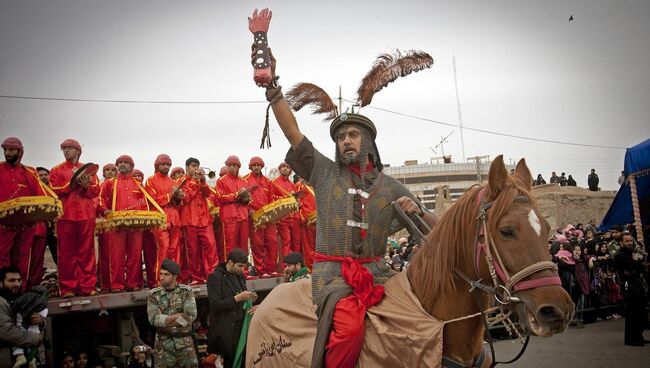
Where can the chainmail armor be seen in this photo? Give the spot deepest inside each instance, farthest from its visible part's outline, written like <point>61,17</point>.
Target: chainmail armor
<point>331,181</point>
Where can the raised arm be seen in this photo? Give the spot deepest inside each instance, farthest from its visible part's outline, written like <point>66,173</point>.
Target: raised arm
<point>264,64</point>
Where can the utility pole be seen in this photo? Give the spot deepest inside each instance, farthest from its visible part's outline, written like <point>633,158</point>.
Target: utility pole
<point>340,101</point>
<point>479,166</point>
<point>460,114</point>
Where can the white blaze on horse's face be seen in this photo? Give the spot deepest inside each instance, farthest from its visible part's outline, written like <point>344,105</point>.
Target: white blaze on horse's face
<point>534,222</point>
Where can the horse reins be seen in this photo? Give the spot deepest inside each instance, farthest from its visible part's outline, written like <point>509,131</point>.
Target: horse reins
<point>504,284</point>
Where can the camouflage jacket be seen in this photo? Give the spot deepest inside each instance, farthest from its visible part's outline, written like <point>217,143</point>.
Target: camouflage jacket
<point>163,303</point>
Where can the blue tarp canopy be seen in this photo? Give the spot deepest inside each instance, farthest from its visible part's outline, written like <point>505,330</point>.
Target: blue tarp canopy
<point>637,160</point>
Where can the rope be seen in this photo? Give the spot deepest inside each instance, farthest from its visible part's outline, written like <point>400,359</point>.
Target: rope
<point>635,208</point>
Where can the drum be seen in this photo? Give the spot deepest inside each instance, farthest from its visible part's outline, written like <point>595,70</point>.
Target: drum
<point>89,169</point>
<point>274,211</point>
<point>100,225</point>
<point>134,220</point>
<point>25,211</point>
<point>311,218</point>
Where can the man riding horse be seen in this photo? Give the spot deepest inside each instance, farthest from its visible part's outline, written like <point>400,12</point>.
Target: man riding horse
<point>355,212</point>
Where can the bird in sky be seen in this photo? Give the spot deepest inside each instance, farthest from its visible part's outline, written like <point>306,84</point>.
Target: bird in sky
<point>571,18</point>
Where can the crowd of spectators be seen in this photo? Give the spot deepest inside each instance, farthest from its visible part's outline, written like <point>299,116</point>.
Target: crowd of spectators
<point>586,266</point>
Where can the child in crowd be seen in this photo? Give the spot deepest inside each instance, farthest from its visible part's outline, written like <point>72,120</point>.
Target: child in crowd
<point>33,301</point>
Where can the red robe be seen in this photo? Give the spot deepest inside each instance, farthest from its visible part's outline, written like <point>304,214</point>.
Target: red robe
<point>234,215</point>
<point>264,242</point>
<point>308,232</point>
<point>288,227</point>
<point>200,254</point>
<point>125,245</point>
<point>166,244</point>
<point>75,231</point>
<point>16,244</point>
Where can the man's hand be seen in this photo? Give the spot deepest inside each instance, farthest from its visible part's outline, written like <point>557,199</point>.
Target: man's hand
<point>245,295</point>
<point>172,318</point>
<point>36,319</point>
<point>409,206</point>
<point>84,181</point>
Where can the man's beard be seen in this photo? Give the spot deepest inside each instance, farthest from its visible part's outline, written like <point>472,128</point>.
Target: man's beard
<point>8,295</point>
<point>350,159</point>
<point>11,159</point>
<point>123,170</point>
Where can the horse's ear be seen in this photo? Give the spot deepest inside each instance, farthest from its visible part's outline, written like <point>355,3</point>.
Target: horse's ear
<point>523,173</point>
<point>497,176</point>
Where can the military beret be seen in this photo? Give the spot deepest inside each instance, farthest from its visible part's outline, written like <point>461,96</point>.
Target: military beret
<point>293,258</point>
<point>171,266</point>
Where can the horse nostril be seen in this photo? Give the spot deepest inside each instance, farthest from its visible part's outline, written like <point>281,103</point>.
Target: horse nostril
<point>549,313</point>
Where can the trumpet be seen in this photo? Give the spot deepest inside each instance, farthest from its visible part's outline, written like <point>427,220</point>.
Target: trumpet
<point>211,173</point>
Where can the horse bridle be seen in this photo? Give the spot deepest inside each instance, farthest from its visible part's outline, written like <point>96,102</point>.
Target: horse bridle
<point>504,284</point>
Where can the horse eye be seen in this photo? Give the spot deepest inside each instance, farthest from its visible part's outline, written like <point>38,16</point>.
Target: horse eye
<point>507,232</point>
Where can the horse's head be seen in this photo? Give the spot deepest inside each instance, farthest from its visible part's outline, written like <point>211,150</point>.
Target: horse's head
<point>518,235</point>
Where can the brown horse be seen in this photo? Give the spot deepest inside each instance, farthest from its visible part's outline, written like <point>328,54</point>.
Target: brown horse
<point>501,222</point>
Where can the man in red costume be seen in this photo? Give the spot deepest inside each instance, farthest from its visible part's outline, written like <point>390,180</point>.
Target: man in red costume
<point>109,171</point>
<point>17,180</point>
<point>307,223</point>
<point>124,193</point>
<point>216,223</point>
<point>76,228</point>
<point>43,236</point>
<point>288,227</point>
<point>233,197</point>
<point>200,255</point>
<point>264,242</point>
<point>177,173</point>
<point>164,190</point>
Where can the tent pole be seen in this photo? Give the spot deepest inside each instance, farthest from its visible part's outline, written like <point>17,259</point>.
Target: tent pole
<point>635,208</point>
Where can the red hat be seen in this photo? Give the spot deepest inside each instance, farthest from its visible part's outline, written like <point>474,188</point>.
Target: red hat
<point>177,170</point>
<point>223,171</point>
<point>284,164</point>
<point>125,158</point>
<point>12,142</point>
<point>255,160</point>
<point>109,166</point>
<point>137,172</point>
<point>232,159</point>
<point>71,143</point>
<point>162,159</point>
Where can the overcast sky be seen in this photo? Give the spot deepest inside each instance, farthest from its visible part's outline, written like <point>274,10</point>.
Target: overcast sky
<point>523,69</point>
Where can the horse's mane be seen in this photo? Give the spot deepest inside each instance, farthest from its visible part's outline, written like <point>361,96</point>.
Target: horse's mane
<point>450,244</point>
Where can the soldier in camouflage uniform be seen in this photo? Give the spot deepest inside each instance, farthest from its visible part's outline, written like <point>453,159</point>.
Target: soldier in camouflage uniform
<point>355,216</point>
<point>171,308</point>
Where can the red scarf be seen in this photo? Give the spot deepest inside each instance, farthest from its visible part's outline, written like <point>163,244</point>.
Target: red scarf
<point>356,168</point>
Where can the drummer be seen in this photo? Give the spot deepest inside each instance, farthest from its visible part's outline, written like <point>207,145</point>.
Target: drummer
<point>76,227</point>
<point>109,171</point>
<point>288,227</point>
<point>307,209</point>
<point>233,197</point>
<point>164,190</point>
<point>125,245</point>
<point>264,242</point>
<point>17,180</point>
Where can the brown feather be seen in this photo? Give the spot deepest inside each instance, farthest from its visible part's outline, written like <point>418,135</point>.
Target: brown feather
<point>303,94</point>
<point>388,68</point>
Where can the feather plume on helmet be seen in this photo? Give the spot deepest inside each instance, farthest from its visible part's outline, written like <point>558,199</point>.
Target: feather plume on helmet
<point>386,69</point>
